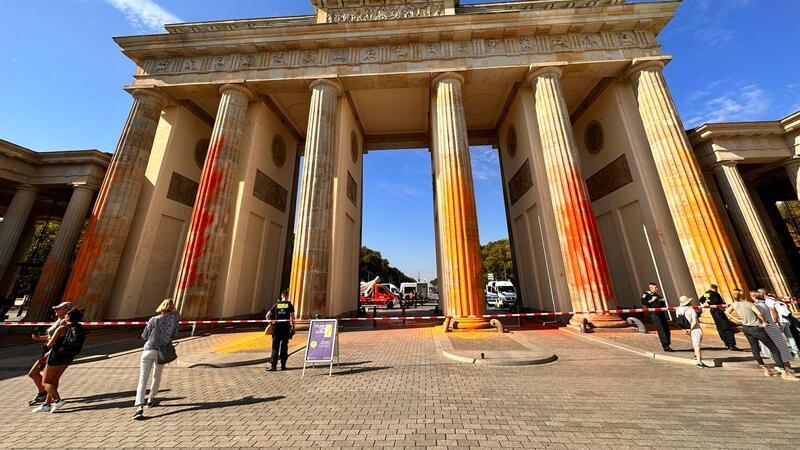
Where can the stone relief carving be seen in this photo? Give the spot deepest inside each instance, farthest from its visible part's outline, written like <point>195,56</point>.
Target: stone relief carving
<point>609,179</point>
<point>200,152</point>
<point>520,183</point>
<point>511,141</point>
<point>355,148</point>
<point>594,137</point>
<point>182,190</point>
<point>403,52</point>
<point>278,152</point>
<point>352,189</point>
<point>368,13</point>
<point>269,191</point>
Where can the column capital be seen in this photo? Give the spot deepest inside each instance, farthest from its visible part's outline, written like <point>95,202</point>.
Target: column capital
<point>86,186</point>
<point>536,71</point>
<point>152,93</point>
<point>26,187</point>
<point>726,163</point>
<point>327,82</point>
<point>447,76</point>
<point>792,161</point>
<point>238,88</point>
<point>645,63</point>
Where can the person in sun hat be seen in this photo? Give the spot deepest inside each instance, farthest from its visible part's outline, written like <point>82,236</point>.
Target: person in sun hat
<point>686,310</point>
<point>36,371</point>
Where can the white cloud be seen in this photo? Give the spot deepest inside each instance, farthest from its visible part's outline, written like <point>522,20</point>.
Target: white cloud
<point>398,190</point>
<point>742,102</point>
<point>144,15</point>
<point>485,164</point>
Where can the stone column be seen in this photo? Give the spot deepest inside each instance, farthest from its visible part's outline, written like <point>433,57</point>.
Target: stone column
<point>205,245</point>
<point>95,267</point>
<point>792,167</point>
<point>705,245</point>
<point>55,269</point>
<point>13,223</point>
<point>308,288</point>
<point>585,265</point>
<point>456,211</point>
<point>752,230</point>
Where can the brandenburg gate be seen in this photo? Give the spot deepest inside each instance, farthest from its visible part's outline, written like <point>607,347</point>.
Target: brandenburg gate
<point>233,120</point>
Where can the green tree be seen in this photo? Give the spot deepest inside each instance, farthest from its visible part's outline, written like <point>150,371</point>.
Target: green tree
<point>373,264</point>
<point>496,259</point>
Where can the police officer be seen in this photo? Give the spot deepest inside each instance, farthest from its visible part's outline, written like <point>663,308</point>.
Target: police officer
<point>281,317</point>
<point>724,327</point>
<point>653,299</point>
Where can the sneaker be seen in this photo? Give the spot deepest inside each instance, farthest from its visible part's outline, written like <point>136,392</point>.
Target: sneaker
<point>42,409</point>
<point>139,414</point>
<point>702,366</point>
<point>57,405</point>
<point>789,377</point>
<point>271,369</point>
<point>734,348</point>
<point>283,367</point>
<point>152,403</point>
<point>668,349</point>
<point>40,398</point>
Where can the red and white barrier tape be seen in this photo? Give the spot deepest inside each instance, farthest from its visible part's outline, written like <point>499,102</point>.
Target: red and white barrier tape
<point>382,319</point>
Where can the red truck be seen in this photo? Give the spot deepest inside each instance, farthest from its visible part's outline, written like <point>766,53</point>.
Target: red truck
<point>375,294</point>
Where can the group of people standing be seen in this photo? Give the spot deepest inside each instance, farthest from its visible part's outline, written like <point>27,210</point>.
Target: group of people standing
<point>767,324</point>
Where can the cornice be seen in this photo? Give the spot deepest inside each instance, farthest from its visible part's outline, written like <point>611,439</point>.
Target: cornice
<point>711,131</point>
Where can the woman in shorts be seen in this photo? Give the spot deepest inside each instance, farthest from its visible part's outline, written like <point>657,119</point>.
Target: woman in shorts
<point>60,356</point>
<point>36,371</point>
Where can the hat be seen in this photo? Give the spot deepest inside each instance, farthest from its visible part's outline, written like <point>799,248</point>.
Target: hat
<point>66,305</point>
<point>685,301</point>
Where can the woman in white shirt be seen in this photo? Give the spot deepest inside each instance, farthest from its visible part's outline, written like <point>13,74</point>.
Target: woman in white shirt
<point>686,310</point>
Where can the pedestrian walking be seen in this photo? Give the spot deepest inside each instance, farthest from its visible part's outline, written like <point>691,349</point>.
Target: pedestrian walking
<point>781,314</point>
<point>686,311</point>
<point>772,329</point>
<point>37,369</point>
<point>651,298</point>
<point>158,350</point>
<point>281,319</point>
<point>64,345</point>
<point>753,323</point>
<point>724,326</point>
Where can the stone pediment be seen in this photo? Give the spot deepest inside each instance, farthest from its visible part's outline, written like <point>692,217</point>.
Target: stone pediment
<point>340,11</point>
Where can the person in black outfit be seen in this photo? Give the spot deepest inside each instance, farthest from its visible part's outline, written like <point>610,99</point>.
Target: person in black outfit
<point>653,299</point>
<point>281,317</point>
<point>724,327</point>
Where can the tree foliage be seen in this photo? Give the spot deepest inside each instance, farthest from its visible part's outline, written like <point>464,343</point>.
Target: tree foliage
<point>373,264</point>
<point>496,259</point>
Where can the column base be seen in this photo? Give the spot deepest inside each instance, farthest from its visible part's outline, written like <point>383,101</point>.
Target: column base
<point>599,321</point>
<point>466,324</point>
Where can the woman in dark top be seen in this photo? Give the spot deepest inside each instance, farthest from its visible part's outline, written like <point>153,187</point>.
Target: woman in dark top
<point>61,355</point>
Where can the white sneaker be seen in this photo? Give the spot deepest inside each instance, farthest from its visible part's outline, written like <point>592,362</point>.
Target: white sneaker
<point>57,405</point>
<point>41,409</point>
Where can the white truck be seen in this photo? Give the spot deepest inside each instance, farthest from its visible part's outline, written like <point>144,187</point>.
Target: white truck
<point>418,293</point>
<point>501,294</point>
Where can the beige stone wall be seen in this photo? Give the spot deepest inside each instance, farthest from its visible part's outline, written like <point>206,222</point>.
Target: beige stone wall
<point>251,271</point>
<point>345,256</point>
<point>638,235</point>
<point>539,263</point>
<point>152,253</point>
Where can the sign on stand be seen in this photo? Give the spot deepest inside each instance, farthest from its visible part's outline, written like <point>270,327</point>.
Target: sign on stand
<point>322,345</point>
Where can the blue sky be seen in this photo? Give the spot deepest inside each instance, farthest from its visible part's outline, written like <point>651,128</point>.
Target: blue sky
<point>61,77</point>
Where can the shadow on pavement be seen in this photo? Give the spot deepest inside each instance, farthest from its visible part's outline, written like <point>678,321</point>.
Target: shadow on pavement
<point>359,370</point>
<point>122,404</point>
<point>249,400</point>
<point>107,396</point>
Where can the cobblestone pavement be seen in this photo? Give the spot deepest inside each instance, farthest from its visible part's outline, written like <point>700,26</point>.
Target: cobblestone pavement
<point>394,390</point>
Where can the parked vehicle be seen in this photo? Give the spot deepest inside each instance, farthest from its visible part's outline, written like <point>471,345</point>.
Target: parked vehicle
<point>373,293</point>
<point>418,293</point>
<point>501,294</point>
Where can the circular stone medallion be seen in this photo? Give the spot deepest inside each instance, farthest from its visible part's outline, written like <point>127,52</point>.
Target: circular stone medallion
<point>594,137</point>
<point>200,152</point>
<point>355,149</point>
<point>278,151</point>
<point>511,141</point>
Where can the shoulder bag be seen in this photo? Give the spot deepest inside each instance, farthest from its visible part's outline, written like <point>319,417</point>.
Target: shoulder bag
<point>166,353</point>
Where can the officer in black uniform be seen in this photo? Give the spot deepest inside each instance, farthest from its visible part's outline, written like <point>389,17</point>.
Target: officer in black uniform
<point>281,317</point>
<point>724,327</point>
<point>653,299</point>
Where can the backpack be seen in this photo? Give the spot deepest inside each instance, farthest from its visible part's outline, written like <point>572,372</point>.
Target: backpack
<point>683,322</point>
<point>73,340</point>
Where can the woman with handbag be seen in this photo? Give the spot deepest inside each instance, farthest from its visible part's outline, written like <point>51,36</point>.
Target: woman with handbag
<point>158,350</point>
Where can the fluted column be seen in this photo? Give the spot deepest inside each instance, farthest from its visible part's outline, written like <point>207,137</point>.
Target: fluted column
<point>705,245</point>
<point>455,202</point>
<point>205,245</point>
<point>311,257</point>
<point>585,266</point>
<point>95,267</point>
<point>55,268</point>
<point>752,232</point>
<point>792,167</point>
<point>13,223</point>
